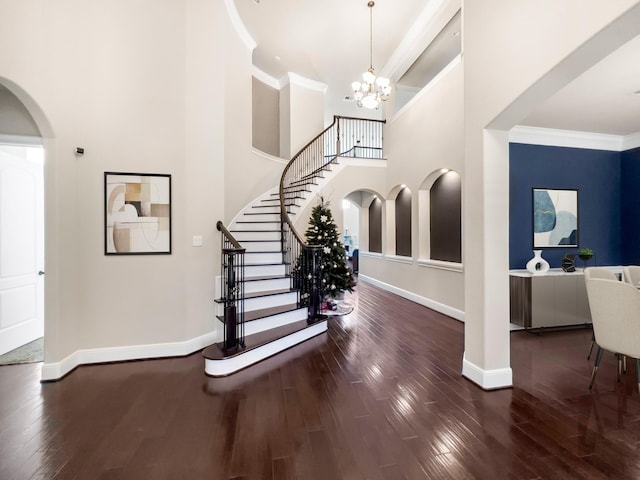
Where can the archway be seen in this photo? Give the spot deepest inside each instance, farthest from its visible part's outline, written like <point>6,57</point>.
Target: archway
<point>22,161</point>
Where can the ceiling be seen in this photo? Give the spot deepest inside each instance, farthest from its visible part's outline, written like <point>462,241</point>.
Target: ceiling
<point>601,100</point>
<point>328,41</point>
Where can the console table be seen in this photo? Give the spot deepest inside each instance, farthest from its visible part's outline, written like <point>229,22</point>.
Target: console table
<point>552,299</point>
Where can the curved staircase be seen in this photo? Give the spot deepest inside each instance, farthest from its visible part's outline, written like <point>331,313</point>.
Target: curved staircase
<point>273,319</point>
<point>260,310</point>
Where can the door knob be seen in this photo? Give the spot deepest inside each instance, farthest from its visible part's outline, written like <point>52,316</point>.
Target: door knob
<point>40,272</point>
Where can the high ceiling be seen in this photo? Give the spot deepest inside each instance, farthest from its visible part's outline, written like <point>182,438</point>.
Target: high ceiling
<point>328,41</point>
<point>601,100</point>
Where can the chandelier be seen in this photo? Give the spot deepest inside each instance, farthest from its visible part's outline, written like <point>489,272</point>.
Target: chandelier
<point>372,90</point>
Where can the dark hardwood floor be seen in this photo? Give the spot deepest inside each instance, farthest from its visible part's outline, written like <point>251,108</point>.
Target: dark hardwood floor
<point>379,396</point>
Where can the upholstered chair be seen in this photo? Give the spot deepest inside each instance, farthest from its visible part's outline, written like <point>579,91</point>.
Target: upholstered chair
<point>631,274</point>
<point>598,272</point>
<point>615,310</point>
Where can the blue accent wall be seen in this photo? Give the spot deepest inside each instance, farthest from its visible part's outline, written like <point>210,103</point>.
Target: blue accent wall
<point>630,213</point>
<point>596,174</point>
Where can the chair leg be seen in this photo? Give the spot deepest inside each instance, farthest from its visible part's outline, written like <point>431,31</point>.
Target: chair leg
<point>619,357</point>
<point>624,364</point>
<point>638,373</point>
<point>593,341</point>
<point>595,366</point>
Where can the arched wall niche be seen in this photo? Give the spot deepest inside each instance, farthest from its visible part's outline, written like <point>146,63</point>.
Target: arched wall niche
<point>369,227</point>
<point>434,225</point>
<point>398,239</point>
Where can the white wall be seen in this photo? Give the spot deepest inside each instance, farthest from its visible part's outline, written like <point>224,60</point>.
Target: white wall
<point>305,112</point>
<point>426,136</point>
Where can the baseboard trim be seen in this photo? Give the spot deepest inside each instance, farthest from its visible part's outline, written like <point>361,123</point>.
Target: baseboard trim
<point>57,370</point>
<point>487,379</point>
<point>427,302</point>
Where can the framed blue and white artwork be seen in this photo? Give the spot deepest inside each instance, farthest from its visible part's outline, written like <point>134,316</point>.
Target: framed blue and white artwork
<point>555,218</point>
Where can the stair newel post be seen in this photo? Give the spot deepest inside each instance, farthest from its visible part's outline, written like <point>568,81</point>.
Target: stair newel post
<point>233,305</point>
<point>230,318</point>
<point>336,120</point>
<point>315,290</point>
<point>232,266</point>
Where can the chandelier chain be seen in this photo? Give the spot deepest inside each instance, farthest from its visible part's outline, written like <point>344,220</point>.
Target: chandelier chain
<point>371,4</point>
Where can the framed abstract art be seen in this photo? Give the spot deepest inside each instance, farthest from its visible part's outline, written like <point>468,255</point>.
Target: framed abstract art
<point>137,213</point>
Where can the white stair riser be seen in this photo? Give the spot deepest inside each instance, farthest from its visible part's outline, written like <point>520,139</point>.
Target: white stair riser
<point>269,301</point>
<point>270,209</point>
<point>250,257</point>
<point>264,235</point>
<point>275,246</point>
<point>269,226</point>
<point>261,217</point>
<point>267,323</point>
<point>226,366</point>
<point>266,285</point>
<point>264,270</point>
<point>276,203</point>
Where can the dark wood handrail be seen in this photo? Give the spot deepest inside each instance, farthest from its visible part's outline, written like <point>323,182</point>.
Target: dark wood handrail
<point>283,208</point>
<point>357,118</point>
<point>236,245</point>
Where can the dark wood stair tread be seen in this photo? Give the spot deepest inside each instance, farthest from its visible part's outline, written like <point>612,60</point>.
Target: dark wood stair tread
<point>265,312</point>
<point>216,352</point>
<point>247,252</point>
<point>257,231</point>
<point>259,221</point>
<point>262,241</point>
<point>265,293</point>
<point>262,213</point>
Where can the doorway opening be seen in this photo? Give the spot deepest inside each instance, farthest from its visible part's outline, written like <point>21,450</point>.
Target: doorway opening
<point>21,253</point>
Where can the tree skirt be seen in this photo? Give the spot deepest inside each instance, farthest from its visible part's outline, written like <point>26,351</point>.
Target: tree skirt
<point>343,308</point>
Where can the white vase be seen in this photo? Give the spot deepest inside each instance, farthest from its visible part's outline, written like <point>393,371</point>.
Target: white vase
<point>537,265</point>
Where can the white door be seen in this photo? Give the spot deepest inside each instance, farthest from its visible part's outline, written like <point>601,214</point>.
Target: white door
<point>21,246</point>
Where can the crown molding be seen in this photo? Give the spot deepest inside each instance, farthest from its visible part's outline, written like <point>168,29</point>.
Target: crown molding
<point>238,25</point>
<point>566,138</point>
<point>630,142</point>
<point>434,17</point>
<point>295,79</point>
<point>289,78</point>
<point>265,78</point>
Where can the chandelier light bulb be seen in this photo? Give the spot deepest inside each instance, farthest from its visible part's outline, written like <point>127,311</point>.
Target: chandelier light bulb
<point>369,77</point>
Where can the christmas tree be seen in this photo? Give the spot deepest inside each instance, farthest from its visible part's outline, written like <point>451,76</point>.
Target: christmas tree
<point>335,275</point>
